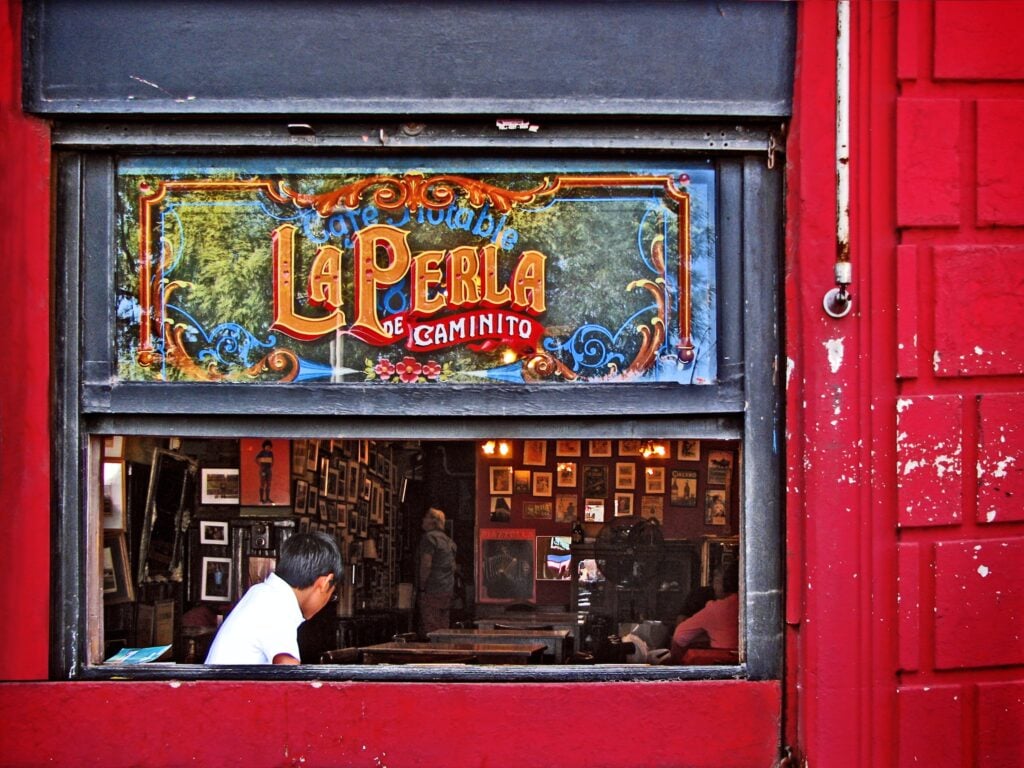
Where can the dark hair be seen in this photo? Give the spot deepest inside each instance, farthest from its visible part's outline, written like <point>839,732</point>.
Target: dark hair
<point>267,443</point>
<point>731,576</point>
<point>307,556</point>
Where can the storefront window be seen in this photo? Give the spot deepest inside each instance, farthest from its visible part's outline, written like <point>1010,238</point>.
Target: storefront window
<point>575,359</point>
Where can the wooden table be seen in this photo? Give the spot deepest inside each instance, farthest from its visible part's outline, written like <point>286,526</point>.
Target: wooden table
<point>520,620</point>
<point>556,641</point>
<point>453,653</point>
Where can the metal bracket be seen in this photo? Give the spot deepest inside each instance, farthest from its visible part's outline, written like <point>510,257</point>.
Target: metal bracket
<point>838,302</point>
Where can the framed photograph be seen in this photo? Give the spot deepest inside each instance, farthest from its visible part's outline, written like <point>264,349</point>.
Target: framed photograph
<point>565,473</point>
<point>716,507</point>
<point>567,447</point>
<point>501,511</point>
<point>265,477</point>
<point>542,483</point>
<point>593,511</point>
<point>629,447</point>
<point>117,584</point>
<point>312,454</point>
<point>599,449</point>
<point>501,480</point>
<point>623,505</point>
<point>653,507</point>
<point>301,492</point>
<point>219,486</point>
<point>595,480</point>
<point>719,467</point>
<point>364,451</point>
<point>683,489</point>
<point>535,453</point>
<point>352,482</point>
<point>522,481</point>
<point>553,558</point>
<point>113,447</point>
<point>321,510</point>
<point>213,532</point>
<point>216,579</point>
<point>565,508</point>
<point>625,475</point>
<point>537,510</point>
<point>115,495</point>
<point>298,457</point>
<point>377,504</point>
<point>507,565</point>
<point>654,480</point>
<point>689,450</point>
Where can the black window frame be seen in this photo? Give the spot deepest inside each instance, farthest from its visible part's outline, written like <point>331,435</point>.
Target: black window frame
<point>745,404</point>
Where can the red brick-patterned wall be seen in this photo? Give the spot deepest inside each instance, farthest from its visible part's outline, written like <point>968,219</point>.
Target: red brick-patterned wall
<point>959,180</point>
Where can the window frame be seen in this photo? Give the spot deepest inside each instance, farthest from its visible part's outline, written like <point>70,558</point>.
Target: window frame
<point>745,404</point>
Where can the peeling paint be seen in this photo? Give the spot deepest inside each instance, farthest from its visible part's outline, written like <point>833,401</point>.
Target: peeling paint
<point>983,571</point>
<point>902,404</point>
<point>1000,470</point>
<point>790,365</point>
<point>834,349</point>
<point>990,516</point>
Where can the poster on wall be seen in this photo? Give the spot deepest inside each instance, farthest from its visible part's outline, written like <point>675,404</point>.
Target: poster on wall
<point>494,275</point>
<point>506,565</point>
<point>264,468</point>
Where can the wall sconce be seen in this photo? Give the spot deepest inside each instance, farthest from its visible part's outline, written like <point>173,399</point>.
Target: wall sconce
<point>651,450</point>
<point>501,447</point>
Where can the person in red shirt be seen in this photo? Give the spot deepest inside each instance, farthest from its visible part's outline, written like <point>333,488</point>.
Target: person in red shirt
<point>717,624</point>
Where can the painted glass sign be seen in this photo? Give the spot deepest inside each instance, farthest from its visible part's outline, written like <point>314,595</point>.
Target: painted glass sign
<point>301,271</point>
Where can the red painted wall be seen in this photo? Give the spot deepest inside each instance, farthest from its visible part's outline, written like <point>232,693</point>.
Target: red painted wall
<point>904,470</point>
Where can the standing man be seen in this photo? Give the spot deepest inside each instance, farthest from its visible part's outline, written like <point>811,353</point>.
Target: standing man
<point>435,573</point>
<point>265,460</point>
<point>263,627</point>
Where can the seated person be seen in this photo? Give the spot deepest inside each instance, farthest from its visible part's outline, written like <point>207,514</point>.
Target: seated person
<point>717,623</point>
<point>263,627</point>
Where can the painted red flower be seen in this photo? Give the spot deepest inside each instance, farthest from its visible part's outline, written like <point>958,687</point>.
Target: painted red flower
<point>408,370</point>
<point>432,370</point>
<point>384,368</point>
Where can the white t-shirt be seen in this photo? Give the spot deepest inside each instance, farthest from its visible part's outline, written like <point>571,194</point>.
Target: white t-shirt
<point>263,624</point>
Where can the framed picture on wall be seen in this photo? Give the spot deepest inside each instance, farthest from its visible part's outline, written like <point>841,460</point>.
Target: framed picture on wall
<point>593,511</point>
<point>537,510</point>
<point>689,450</point>
<point>565,473</point>
<point>507,565</point>
<point>654,480</point>
<point>625,475</point>
<point>219,486</point>
<point>600,448</point>
<point>213,532</point>
<point>683,489</point>
<point>653,507</point>
<point>113,447</point>
<point>501,480</point>
<point>595,480</point>
<point>312,453</point>
<point>298,457</point>
<point>501,510</point>
<point>567,447</point>
<point>301,492</point>
<point>716,507</point>
<point>542,483</point>
<point>719,467</point>
<point>522,481</point>
<point>216,579</point>
<point>553,558</point>
<point>535,453</point>
<point>565,508</point>
<point>264,472</point>
<point>623,505</point>
<point>629,447</point>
